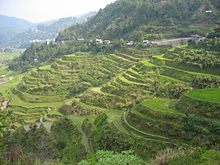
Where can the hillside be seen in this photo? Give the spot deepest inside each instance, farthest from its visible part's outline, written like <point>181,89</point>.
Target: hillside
<point>80,101</point>
<point>46,31</point>
<point>139,19</point>
<point>11,26</point>
<point>147,99</point>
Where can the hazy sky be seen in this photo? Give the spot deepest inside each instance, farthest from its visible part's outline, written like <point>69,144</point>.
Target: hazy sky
<point>44,10</point>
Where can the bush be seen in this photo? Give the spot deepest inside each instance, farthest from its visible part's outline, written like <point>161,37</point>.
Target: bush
<point>201,82</point>
<point>113,158</point>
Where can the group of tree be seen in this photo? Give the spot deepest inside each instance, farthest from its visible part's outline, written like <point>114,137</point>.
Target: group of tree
<point>128,18</point>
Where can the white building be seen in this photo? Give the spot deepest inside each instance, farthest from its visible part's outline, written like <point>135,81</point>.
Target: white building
<point>80,39</point>
<point>146,42</point>
<point>99,41</point>
<point>197,38</point>
<point>107,42</point>
<point>130,43</point>
<point>208,11</point>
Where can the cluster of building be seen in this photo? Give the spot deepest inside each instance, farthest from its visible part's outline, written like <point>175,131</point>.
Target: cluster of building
<point>173,42</point>
<point>47,41</point>
<point>100,41</point>
<point>146,42</point>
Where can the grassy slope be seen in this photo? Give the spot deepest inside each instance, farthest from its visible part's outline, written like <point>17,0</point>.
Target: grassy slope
<point>161,105</point>
<point>136,73</point>
<point>210,95</point>
<point>8,56</point>
<point>16,101</point>
<point>3,71</point>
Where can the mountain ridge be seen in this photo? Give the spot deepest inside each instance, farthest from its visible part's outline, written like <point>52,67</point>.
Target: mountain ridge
<point>44,31</point>
<point>11,26</point>
<point>137,19</point>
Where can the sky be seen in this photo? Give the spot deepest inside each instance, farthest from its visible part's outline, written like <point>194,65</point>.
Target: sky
<point>44,10</point>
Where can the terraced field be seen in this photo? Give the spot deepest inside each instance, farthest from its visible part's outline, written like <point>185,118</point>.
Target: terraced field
<point>135,89</point>
<point>207,95</point>
<point>39,94</point>
<point>154,116</point>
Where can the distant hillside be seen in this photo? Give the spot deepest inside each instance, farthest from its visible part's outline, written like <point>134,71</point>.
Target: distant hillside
<point>10,26</point>
<point>48,30</point>
<point>138,19</point>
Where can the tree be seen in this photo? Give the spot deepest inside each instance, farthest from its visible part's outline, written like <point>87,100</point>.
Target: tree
<point>113,158</point>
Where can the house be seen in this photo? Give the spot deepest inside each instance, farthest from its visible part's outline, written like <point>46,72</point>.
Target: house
<point>80,39</point>
<point>146,42</point>
<point>209,11</point>
<point>35,60</point>
<point>48,41</point>
<point>36,41</point>
<point>130,43</point>
<point>107,42</point>
<point>99,41</point>
<point>197,38</point>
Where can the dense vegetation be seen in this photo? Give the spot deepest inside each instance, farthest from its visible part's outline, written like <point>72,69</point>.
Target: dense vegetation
<point>82,102</point>
<point>151,19</point>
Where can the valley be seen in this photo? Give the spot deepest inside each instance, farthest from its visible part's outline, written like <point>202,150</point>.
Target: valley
<point>120,89</point>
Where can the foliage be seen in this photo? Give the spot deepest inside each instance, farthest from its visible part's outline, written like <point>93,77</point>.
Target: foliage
<point>212,42</point>
<point>117,20</point>
<point>63,143</point>
<point>201,82</point>
<point>169,89</point>
<point>164,156</point>
<point>67,140</point>
<point>199,157</point>
<point>112,158</point>
<point>101,120</point>
<point>2,122</point>
<point>66,109</point>
<point>194,58</point>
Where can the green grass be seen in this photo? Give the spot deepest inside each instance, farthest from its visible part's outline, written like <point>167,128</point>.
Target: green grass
<point>5,88</point>
<point>45,67</point>
<point>147,63</point>
<point>161,57</point>
<point>6,91</point>
<point>42,97</point>
<point>8,56</point>
<point>122,58</point>
<point>70,55</point>
<point>16,101</point>
<point>167,78</point>
<point>120,77</point>
<point>114,115</point>
<point>190,72</point>
<point>210,95</point>
<point>77,120</point>
<point>3,71</point>
<point>161,105</point>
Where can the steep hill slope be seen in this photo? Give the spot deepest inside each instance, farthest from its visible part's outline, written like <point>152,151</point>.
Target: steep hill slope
<point>136,19</point>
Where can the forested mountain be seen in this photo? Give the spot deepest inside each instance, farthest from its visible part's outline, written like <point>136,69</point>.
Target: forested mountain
<point>10,26</point>
<point>45,31</point>
<point>138,19</point>
<point>80,101</point>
